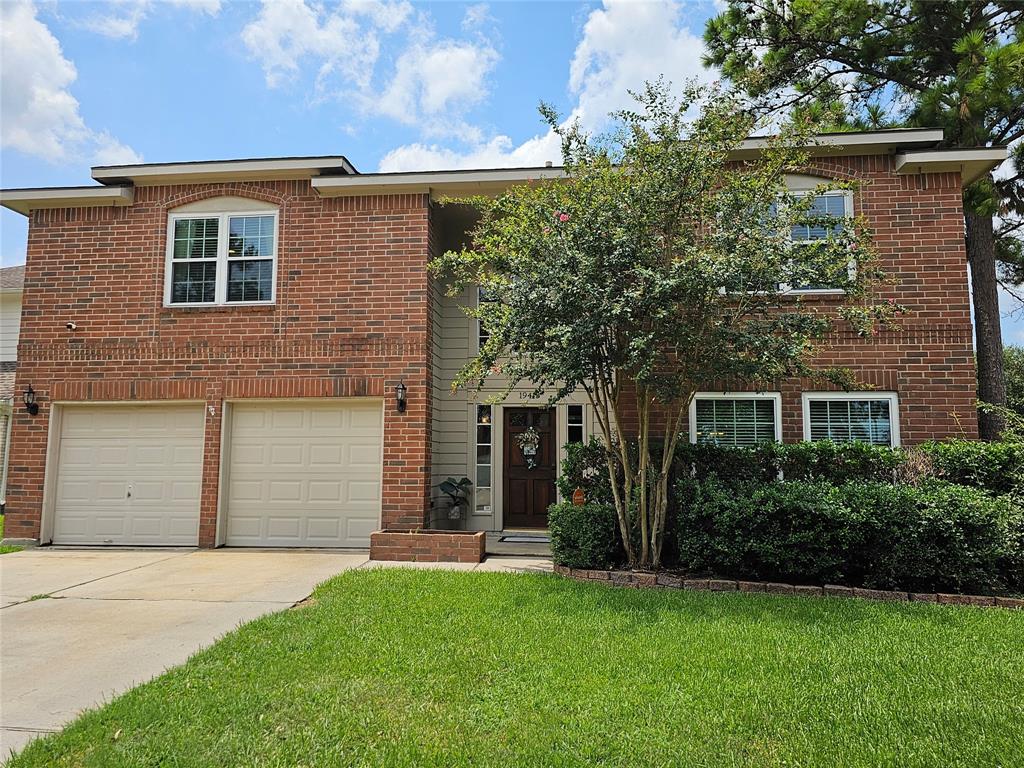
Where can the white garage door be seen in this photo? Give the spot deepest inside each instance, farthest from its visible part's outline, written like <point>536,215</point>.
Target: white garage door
<point>304,474</point>
<point>129,475</point>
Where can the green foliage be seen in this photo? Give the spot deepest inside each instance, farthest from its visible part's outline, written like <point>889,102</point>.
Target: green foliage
<point>456,490</point>
<point>585,466</point>
<point>1013,370</point>
<point>773,532</point>
<point>612,282</point>
<point>994,467</point>
<point>835,463</point>
<point>584,536</point>
<point>940,537</point>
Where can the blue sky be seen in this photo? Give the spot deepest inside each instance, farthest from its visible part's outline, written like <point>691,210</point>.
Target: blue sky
<point>391,84</point>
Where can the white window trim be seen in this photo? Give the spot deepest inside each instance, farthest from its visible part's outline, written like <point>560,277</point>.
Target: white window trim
<point>221,287</point>
<point>891,397</point>
<point>851,267</point>
<point>775,397</point>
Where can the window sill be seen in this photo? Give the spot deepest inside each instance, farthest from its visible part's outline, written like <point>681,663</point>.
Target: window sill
<point>217,308</point>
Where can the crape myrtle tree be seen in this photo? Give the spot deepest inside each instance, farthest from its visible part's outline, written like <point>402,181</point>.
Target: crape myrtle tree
<point>956,64</point>
<point>658,265</point>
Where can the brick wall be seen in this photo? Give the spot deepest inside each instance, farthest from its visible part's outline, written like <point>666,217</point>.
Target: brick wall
<point>428,546</point>
<point>350,319</point>
<point>917,230</point>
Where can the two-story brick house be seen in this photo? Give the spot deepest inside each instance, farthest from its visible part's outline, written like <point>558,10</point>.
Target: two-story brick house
<point>252,352</point>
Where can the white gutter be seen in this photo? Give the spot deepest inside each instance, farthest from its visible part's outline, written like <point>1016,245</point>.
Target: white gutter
<point>219,170</point>
<point>434,183</point>
<point>25,200</point>
<point>971,164</point>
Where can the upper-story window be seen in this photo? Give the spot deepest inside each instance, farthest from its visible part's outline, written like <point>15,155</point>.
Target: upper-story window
<point>826,216</point>
<point>221,258</point>
<point>482,298</point>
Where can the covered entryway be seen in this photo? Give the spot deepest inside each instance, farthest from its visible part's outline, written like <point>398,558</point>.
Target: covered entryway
<point>304,474</point>
<point>529,467</point>
<point>128,475</point>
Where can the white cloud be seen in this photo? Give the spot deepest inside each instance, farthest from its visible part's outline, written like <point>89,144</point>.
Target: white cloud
<point>125,16</point>
<point>434,84</point>
<point>499,152</point>
<point>433,81</point>
<point>40,115</point>
<point>344,42</point>
<point>623,45</point>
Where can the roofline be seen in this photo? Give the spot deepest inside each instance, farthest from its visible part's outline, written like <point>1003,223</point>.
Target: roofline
<point>256,168</point>
<point>971,164</point>
<point>25,200</point>
<point>435,183</point>
<point>884,141</point>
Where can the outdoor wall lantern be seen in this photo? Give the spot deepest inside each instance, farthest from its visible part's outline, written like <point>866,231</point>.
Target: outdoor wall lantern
<point>29,398</point>
<point>400,391</point>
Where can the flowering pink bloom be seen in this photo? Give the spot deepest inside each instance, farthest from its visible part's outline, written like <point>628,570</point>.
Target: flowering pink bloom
<point>563,217</point>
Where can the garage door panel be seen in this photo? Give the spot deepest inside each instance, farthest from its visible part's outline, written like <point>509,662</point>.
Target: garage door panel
<point>155,451</point>
<point>292,468</point>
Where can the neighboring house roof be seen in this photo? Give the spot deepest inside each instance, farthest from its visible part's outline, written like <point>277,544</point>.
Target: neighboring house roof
<point>12,278</point>
<point>916,150</point>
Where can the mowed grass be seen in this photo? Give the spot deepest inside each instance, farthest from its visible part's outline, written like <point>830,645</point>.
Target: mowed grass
<point>6,549</point>
<point>396,667</point>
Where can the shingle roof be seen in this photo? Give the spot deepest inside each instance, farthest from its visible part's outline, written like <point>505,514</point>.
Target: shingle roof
<point>12,278</point>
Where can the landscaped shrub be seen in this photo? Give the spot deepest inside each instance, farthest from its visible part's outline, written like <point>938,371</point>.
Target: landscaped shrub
<point>772,532</point>
<point>835,463</point>
<point>938,537</point>
<point>995,467</point>
<point>731,465</point>
<point>585,467</point>
<point>584,536</point>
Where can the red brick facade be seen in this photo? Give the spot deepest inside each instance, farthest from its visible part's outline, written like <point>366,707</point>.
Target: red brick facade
<point>352,318</point>
<point>428,546</point>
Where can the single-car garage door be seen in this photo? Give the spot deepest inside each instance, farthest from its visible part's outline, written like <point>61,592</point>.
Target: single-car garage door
<point>304,474</point>
<point>129,475</point>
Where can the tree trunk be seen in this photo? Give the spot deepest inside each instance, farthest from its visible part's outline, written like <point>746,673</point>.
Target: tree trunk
<point>981,255</point>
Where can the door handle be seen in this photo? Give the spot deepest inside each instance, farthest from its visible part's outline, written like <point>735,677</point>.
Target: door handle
<point>129,491</point>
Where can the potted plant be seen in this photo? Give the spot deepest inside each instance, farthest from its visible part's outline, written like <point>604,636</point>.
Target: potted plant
<point>457,492</point>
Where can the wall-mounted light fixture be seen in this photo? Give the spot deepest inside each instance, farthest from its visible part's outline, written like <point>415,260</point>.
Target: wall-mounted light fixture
<point>400,391</point>
<point>29,398</point>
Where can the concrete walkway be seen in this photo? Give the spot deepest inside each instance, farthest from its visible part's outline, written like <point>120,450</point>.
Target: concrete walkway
<point>78,627</point>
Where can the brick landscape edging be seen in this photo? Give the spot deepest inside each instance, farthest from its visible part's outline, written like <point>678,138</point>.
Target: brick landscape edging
<point>428,546</point>
<point>672,581</point>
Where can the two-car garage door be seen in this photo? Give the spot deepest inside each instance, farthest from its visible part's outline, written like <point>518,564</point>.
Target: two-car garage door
<point>300,474</point>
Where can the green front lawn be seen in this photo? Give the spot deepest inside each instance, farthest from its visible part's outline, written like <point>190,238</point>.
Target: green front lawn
<point>420,668</point>
<point>6,548</point>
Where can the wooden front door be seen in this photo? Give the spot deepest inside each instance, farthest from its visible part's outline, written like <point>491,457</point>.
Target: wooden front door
<point>529,475</point>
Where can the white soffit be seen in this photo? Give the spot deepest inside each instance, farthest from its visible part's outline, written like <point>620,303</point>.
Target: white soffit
<point>265,169</point>
<point>438,184</point>
<point>972,164</point>
<point>25,200</point>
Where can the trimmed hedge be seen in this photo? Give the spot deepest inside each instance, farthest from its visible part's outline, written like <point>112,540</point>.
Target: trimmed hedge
<point>584,536</point>
<point>995,467</point>
<point>939,537</point>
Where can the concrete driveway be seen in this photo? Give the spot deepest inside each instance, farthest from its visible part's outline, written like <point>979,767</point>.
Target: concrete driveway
<point>78,627</point>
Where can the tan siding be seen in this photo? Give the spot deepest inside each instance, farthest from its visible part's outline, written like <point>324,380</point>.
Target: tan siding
<point>10,321</point>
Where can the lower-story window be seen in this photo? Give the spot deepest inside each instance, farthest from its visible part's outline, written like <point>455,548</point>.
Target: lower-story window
<point>737,420</point>
<point>845,417</point>
<point>484,461</point>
